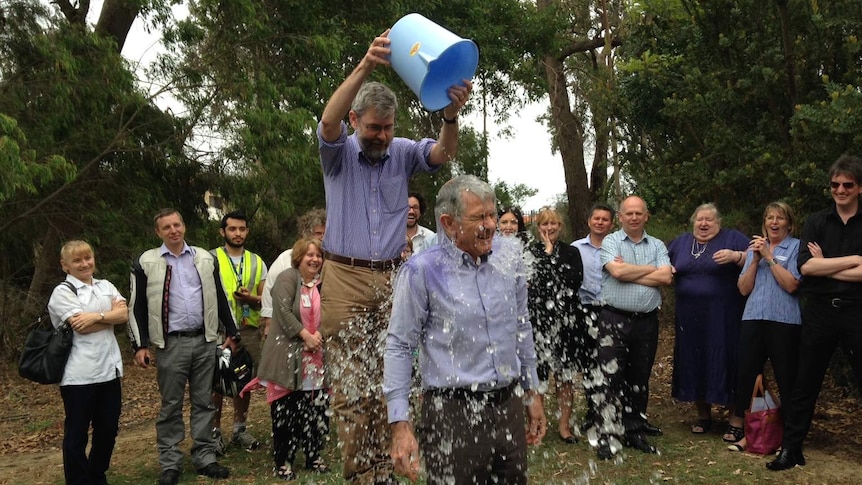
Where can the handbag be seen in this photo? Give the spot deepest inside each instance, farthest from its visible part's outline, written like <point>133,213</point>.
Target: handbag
<point>46,350</point>
<point>764,427</point>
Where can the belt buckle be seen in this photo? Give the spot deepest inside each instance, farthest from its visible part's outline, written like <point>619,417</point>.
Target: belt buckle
<point>836,303</point>
<point>376,263</point>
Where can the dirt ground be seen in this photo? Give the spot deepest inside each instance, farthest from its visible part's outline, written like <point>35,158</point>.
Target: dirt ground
<point>31,420</point>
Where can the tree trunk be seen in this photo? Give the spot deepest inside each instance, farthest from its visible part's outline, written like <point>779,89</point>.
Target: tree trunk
<point>569,135</point>
<point>116,19</point>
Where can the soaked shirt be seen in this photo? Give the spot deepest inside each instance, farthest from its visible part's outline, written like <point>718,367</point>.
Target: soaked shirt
<point>469,322</point>
<point>366,204</point>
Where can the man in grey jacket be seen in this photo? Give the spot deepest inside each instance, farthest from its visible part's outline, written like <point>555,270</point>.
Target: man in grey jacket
<point>176,305</point>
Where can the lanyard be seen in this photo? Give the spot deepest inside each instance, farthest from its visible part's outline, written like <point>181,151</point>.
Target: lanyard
<point>236,272</point>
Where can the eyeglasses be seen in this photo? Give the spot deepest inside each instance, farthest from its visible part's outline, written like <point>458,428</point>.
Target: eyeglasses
<point>375,128</point>
<point>846,185</point>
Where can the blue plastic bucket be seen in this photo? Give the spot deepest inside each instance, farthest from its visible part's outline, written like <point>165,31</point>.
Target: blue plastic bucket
<point>430,59</point>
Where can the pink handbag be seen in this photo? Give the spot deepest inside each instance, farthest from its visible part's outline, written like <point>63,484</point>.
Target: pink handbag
<point>764,427</point>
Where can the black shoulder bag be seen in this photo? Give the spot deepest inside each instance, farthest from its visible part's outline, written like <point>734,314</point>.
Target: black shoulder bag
<point>46,350</point>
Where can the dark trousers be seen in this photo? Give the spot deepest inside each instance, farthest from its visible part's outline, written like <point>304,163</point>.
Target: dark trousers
<point>824,327</point>
<point>100,405</point>
<point>626,359</point>
<point>473,439</point>
<point>760,340</point>
<point>298,419</point>
<point>587,359</point>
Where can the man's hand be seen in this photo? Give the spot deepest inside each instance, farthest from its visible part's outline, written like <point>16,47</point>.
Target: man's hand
<point>537,424</point>
<point>459,94</point>
<point>378,52</point>
<point>143,358</point>
<point>405,451</point>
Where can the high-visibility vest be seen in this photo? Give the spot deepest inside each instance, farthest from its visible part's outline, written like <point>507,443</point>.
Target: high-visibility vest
<point>252,270</point>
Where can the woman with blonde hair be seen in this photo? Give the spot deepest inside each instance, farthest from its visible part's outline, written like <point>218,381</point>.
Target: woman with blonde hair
<point>554,312</point>
<point>772,319</point>
<point>91,381</point>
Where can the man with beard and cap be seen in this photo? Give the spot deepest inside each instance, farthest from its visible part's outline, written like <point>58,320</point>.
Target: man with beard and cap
<point>242,275</point>
<point>365,176</point>
<point>420,236</point>
<point>463,304</point>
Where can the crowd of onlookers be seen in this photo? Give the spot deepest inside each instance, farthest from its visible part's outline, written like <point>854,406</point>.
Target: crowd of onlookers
<point>484,316</point>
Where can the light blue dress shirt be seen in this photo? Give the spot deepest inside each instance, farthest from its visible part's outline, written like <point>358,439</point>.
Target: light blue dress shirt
<point>632,297</point>
<point>186,303</point>
<point>590,292</point>
<point>469,321</point>
<point>768,300</point>
<point>366,205</point>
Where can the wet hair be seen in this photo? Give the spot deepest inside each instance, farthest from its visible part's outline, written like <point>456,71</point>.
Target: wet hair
<point>240,215</point>
<point>300,249</point>
<point>450,199</point>
<point>308,221</point>
<point>418,197</point>
<point>784,210</point>
<point>847,165</point>
<point>377,96</point>
<point>167,211</point>
<point>75,248</point>
<point>705,207</point>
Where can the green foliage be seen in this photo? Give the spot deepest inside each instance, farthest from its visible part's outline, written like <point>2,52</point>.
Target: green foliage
<point>724,101</point>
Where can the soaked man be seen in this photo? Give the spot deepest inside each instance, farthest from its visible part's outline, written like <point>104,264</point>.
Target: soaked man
<point>463,304</point>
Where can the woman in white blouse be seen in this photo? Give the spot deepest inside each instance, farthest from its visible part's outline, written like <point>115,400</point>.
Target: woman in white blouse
<point>91,382</point>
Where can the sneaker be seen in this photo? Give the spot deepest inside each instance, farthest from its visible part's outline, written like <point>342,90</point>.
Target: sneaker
<point>218,441</point>
<point>214,470</point>
<point>245,440</point>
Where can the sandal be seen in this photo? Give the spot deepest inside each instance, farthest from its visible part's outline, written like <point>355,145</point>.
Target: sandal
<point>702,426</point>
<point>733,434</point>
<point>738,447</point>
<point>285,473</point>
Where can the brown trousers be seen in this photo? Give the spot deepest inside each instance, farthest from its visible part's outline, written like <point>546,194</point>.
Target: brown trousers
<point>355,306</point>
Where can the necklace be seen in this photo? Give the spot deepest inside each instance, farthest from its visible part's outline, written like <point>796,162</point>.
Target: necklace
<point>696,249</point>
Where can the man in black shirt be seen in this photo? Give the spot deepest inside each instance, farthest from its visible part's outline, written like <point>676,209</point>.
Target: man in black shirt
<point>830,260</point>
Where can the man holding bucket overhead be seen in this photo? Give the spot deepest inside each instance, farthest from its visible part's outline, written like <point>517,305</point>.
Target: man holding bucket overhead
<point>366,176</point>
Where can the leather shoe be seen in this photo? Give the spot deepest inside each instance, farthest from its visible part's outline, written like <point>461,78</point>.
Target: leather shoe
<point>787,458</point>
<point>169,477</point>
<point>603,451</point>
<point>638,442</point>
<point>214,470</point>
<point>650,430</point>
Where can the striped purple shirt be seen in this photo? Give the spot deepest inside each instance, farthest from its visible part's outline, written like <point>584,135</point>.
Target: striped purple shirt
<point>366,205</point>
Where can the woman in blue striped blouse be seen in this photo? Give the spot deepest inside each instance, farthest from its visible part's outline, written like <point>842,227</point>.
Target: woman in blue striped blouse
<point>771,322</point>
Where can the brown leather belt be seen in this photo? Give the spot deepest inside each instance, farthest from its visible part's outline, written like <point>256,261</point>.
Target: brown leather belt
<point>376,264</point>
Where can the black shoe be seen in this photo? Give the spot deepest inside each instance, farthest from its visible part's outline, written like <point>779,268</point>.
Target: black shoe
<point>169,477</point>
<point>650,430</point>
<point>214,470</point>
<point>603,451</point>
<point>638,442</point>
<point>787,458</point>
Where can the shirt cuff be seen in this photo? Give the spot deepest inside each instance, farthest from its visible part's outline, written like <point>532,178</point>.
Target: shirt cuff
<point>399,410</point>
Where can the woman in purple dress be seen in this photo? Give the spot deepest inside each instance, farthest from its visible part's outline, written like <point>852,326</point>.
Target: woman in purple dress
<point>709,308</point>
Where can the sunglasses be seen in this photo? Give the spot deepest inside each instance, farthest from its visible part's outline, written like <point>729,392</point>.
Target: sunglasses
<point>846,185</point>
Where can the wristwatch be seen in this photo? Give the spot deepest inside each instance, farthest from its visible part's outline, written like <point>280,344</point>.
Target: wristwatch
<point>102,314</point>
<point>771,262</point>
